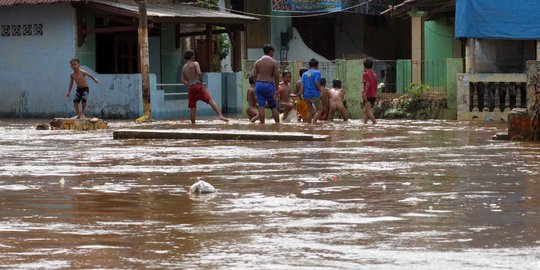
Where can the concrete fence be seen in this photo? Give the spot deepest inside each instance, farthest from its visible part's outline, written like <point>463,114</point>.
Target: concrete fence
<point>396,74</point>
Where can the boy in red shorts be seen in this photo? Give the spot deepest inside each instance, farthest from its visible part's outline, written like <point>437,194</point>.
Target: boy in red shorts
<point>192,78</point>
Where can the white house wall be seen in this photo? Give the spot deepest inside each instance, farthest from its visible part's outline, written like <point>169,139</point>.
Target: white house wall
<point>34,69</point>
<point>298,50</point>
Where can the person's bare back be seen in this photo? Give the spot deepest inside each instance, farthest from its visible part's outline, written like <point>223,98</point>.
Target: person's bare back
<point>192,78</point>
<point>266,70</point>
<point>336,97</point>
<point>325,103</point>
<point>266,77</point>
<point>251,100</point>
<point>191,73</point>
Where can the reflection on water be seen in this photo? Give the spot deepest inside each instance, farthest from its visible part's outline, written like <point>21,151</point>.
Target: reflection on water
<point>431,195</point>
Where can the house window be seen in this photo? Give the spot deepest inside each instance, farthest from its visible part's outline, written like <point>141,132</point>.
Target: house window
<point>21,30</point>
<point>503,56</point>
<point>38,29</point>
<point>27,29</point>
<point>15,30</point>
<point>117,53</point>
<point>6,30</point>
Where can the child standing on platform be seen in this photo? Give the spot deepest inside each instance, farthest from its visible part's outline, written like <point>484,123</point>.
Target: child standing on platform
<point>79,77</point>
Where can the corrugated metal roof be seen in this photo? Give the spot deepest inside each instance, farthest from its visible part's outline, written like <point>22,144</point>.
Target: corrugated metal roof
<point>32,2</point>
<point>434,8</point>
<point>172,10</point>
<point>185,12</point>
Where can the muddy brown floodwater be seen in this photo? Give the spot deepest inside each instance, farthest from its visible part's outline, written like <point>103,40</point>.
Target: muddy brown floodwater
<point>399,195</point>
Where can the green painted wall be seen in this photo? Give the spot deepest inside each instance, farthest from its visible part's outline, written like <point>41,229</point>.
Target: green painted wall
<point>350,74</point>
<point>438,46</point>
<point>87,52</point>
<point>403,74</point>
<point>171,57</point>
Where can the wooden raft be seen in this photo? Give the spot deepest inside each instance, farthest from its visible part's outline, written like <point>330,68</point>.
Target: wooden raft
<point>78,124</point>
<point>215,135</point>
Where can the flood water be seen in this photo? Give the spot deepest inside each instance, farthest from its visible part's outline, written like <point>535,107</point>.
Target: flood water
<point>398,195</point>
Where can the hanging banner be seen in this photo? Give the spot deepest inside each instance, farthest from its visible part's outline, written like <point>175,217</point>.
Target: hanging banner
<point>306,5</point>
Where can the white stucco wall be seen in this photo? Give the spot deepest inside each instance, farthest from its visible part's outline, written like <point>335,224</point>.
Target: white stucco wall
<point>34,70</point>
<point>298,50</point>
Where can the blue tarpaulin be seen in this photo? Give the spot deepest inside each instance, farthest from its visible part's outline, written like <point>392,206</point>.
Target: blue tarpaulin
<point>498,19</point>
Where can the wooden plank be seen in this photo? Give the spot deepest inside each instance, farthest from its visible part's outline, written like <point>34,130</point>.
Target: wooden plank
<point>184,134</point>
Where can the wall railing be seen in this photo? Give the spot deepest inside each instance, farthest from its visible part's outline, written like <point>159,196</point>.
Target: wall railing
<point>490,96</point>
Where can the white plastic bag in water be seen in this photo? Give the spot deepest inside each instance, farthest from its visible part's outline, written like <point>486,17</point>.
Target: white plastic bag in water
<point>202,187</point>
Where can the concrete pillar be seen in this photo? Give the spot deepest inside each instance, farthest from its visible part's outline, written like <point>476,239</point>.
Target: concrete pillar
<point>538,50</point>
<point>469,56</point>
<point>417,38</point>
<point>209,46</point>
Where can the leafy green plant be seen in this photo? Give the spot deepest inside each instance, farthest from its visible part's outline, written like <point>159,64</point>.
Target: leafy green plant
<point>412,100</point>
<point>223,50</point>
<point>416,90</point>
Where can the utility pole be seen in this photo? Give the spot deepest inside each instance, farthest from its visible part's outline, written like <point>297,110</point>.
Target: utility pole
<point>145,62</point>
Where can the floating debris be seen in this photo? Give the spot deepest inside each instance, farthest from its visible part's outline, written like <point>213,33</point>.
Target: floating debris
<point>42,127</point>
<point>202,187</point>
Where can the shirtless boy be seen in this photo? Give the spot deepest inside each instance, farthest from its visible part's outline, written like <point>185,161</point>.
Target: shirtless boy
<point>79,76</point>
<point>253,109</point>
<point>336,98</point>
<point>284,94</point>
<point>324,100</point>
<point>192,78</point>
<point>266,75</point>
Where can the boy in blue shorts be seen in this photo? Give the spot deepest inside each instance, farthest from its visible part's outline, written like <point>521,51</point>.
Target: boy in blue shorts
<point>266,74</point>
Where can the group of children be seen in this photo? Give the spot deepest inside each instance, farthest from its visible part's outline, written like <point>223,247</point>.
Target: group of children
<point>331,100</point>
<point>310,97</point>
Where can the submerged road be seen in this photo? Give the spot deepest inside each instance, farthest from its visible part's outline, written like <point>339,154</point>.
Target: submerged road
<point>399,195</point>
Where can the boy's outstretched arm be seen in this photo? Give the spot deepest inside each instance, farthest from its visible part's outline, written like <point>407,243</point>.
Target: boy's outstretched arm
<point>70,85</point>
<point>91,77</point>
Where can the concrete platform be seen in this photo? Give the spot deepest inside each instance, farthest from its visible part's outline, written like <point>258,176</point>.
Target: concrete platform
<point>78,124</point>
<point>184,134</point>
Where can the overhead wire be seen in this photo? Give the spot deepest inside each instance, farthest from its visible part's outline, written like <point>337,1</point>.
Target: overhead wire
<point>287,16</point>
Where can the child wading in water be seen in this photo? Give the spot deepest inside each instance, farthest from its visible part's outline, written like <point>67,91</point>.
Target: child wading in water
<point>369,94</point>
<point>301,105</point>
<point>284,94</point>
<point>79,76</point>
<point>253,108</point>
<point>192,78</point>
<point>337,96</point>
